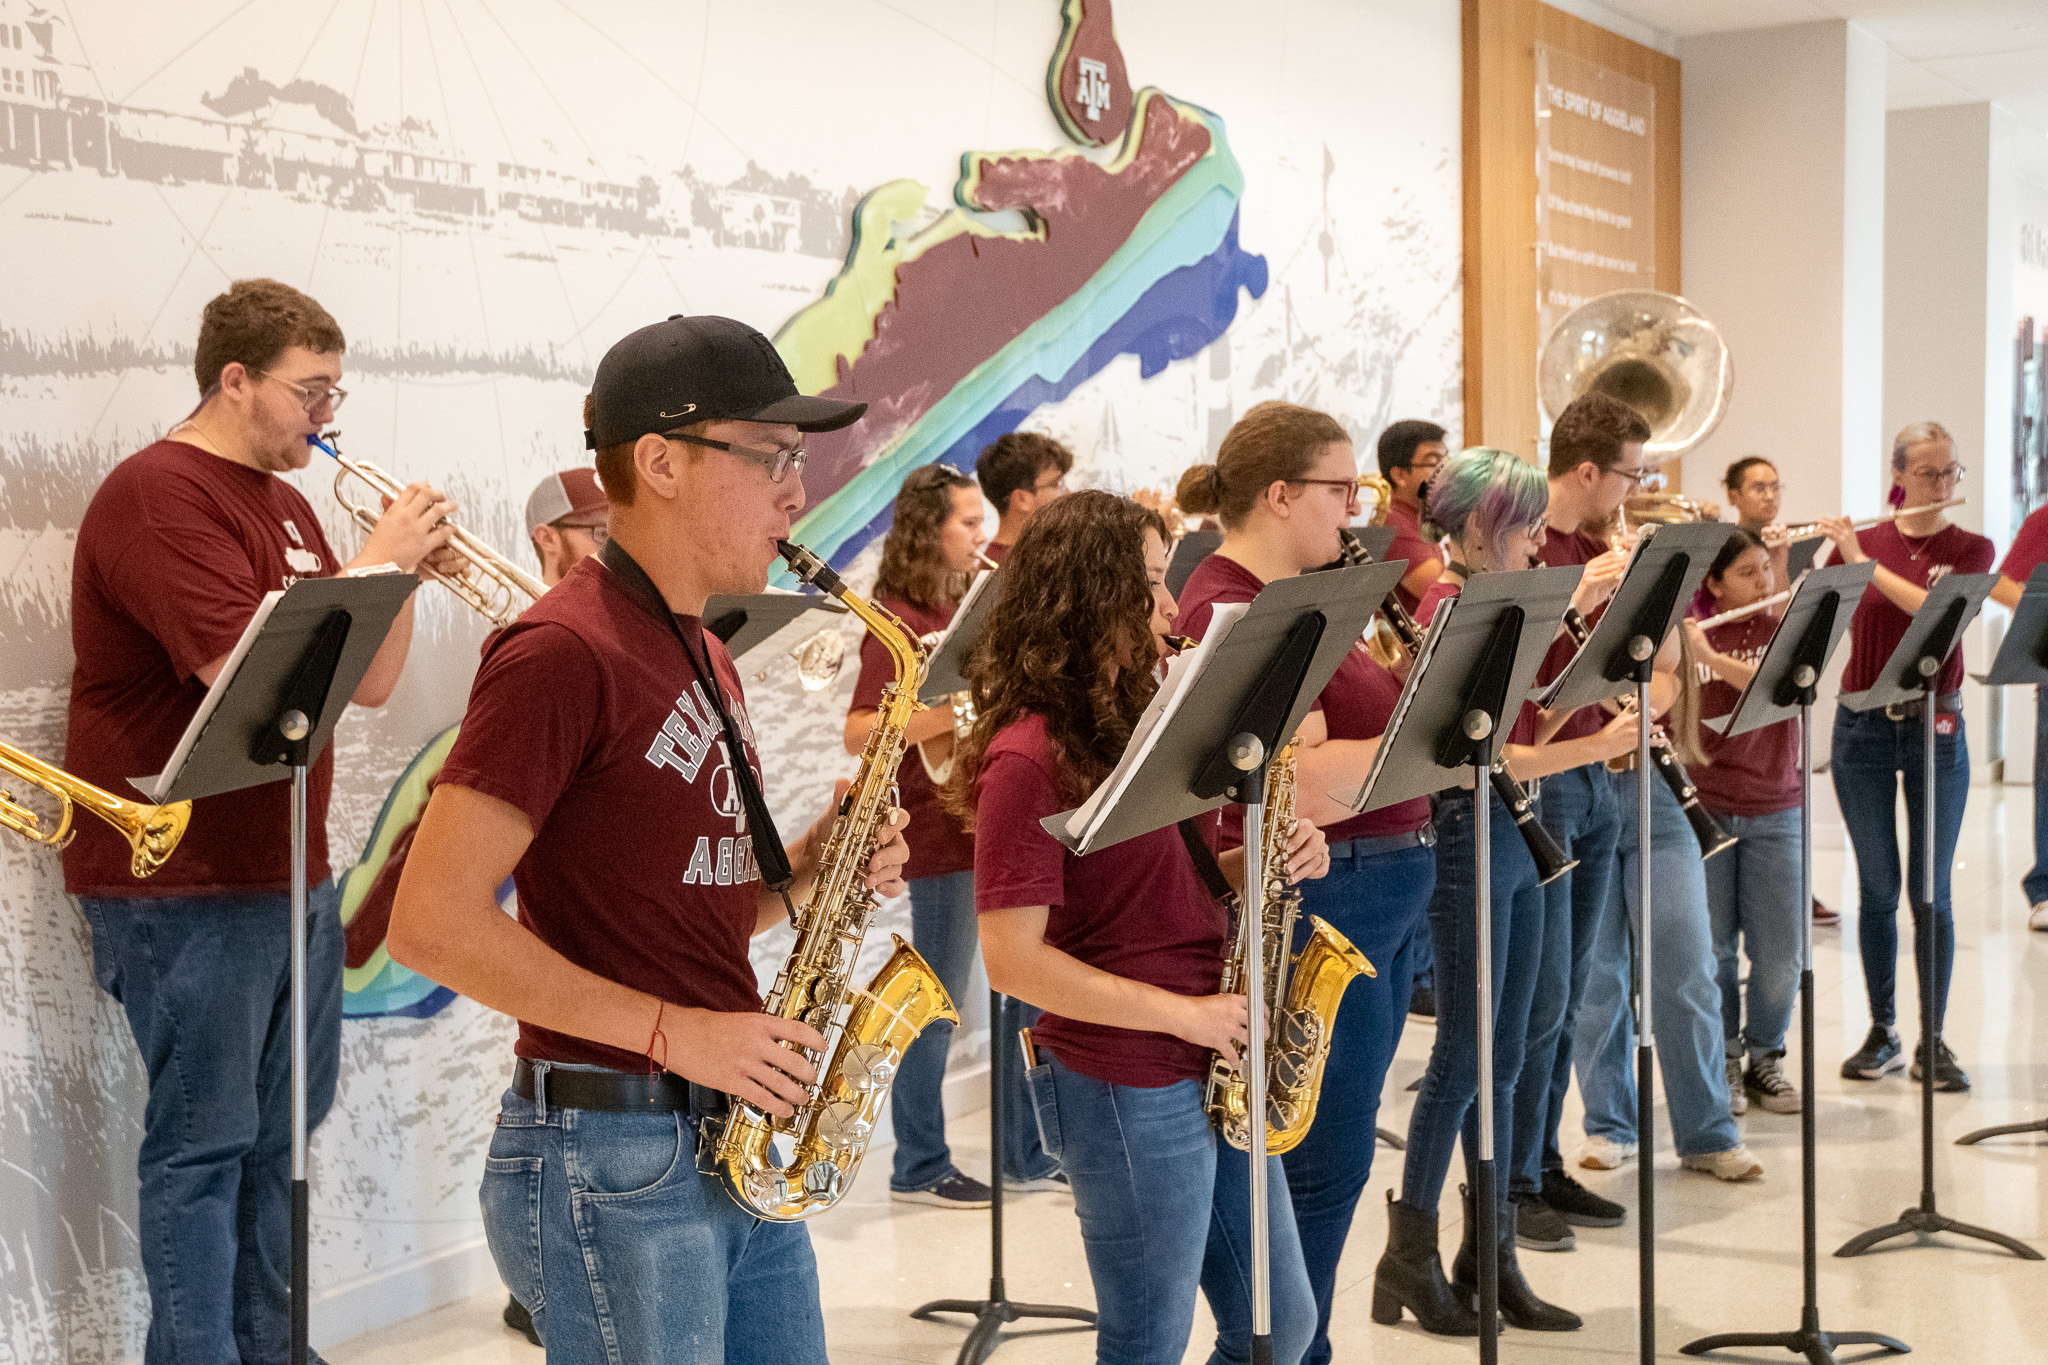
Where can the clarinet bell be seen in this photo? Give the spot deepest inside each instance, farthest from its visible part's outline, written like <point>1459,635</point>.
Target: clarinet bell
<point>1551,862</point>
<point>1713,839</point>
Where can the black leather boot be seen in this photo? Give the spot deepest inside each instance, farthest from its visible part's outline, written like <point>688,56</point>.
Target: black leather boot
<point>1519,1306</point>
<point>1411,1276</point>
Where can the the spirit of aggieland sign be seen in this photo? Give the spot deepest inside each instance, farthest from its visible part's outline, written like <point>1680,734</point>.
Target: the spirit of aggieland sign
<point>1595,183</point>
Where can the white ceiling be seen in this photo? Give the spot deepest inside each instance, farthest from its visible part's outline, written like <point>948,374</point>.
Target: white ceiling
<point>1942,51</point>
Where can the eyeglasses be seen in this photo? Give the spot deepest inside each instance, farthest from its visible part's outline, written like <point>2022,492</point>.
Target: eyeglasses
<point>1934,477</point>
<point>1060,484</point>
<point>1350,486</point>
<point>598,531</point>
<point>1634,476</point>
<point>311,398</point>
<point>776,462</point>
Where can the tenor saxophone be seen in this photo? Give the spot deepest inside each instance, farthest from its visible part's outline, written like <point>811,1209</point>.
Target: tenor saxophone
<point>866,1030</point>
<point>1303,991</point>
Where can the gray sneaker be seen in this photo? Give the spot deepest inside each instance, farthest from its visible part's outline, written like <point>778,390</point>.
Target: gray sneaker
<point>1766,1080</point>
<point>1738,1098</point>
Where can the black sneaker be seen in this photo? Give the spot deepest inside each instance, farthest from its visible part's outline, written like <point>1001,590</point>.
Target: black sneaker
<point>519,1320</point>
<point>950,1191</point>
<point>1948,1072</point>
<point>1879,1054</point>
<point>1578,1205</point>
<point>1422,1003</point>
<point>1539,1227</point>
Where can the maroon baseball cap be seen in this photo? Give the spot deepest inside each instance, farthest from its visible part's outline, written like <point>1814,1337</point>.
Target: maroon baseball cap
<point>564,494</point>
<point>701,369</point>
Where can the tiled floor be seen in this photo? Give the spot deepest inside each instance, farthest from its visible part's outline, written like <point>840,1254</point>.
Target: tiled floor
<point>1728,1256</point>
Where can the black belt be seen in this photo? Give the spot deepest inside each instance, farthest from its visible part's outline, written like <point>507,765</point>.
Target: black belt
<point>616,1092</point>
<point>1382,843</point>
<point>1945,704</point>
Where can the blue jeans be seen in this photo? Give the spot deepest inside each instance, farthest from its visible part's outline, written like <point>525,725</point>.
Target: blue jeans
<point>1377,903</point>
<point>1165,1205</point>
<point>1447,1108</point>
<point>1577,808</point>
<point>1684,1001</point>
<point>206,984</point>
<point>602,1227</point>
<point>1872,755</point>
<point>1753,894</point>
<point>2036,880</point>
<point>942,928</point>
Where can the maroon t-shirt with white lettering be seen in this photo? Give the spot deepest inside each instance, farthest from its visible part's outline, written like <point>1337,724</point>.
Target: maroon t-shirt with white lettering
<point>938,842</point>
<point>175,554</point>
<point>1356,703</point>
<point>588,717</point>
<point>1137,910</point>
<point>1412,545</point>
<point>1878,625</point>
<point>1757,772</point>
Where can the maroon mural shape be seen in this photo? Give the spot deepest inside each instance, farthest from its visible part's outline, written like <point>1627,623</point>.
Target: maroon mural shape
<point>1086,81</point>
<point>925,341</point>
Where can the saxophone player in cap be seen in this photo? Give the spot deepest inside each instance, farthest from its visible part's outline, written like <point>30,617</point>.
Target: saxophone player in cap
<point>606,764</point>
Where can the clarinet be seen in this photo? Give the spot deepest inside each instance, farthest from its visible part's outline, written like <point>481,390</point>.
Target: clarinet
<point>1551,860</point>
<point>1705,828</point>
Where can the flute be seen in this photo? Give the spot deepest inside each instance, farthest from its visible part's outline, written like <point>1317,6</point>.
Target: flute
<point>1812,528</point>
<point>1739,613</point>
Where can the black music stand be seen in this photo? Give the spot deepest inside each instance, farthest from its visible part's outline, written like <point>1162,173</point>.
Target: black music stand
<point>1209,743</point>
<point>1481,653</point>
<point>745,623</point>
<point>275,704</point>
<point>1191,549</point>
<point>946,671</point>
<point>1786,684</point>
<point>1620,653</point>
<point>1914,672</point>
<point>2022,658</point>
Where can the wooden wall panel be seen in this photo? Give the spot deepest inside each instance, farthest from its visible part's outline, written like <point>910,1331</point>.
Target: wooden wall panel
<point>1499,142</point>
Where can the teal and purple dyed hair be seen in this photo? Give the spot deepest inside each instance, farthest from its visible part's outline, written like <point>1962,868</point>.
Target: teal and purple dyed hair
<point>1489,491</point>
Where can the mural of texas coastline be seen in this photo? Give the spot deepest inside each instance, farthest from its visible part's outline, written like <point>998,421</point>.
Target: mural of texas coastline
<point>953,337</point>
<point>956,335</point>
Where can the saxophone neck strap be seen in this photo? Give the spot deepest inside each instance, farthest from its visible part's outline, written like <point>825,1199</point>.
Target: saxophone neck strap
<point>1206,865</point>
<point>769,854</point>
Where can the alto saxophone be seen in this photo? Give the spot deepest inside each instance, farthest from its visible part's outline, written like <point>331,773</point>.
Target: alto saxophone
<point>866,1031</point>
<point>1303,991</point>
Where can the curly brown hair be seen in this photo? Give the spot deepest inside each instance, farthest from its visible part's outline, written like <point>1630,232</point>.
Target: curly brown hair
<point>913,569</point>
<point>1073,608</point>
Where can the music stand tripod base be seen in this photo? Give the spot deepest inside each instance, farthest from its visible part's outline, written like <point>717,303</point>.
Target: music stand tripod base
<point>2002,1130</point>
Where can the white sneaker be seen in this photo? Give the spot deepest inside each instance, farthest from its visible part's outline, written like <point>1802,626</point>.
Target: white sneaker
<point>1738,1098</point>
<point>1605,1154</point>
<point>1734,1164</point>
<point>2039,918</point>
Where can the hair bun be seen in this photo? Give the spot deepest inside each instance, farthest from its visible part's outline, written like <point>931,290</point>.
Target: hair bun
<point>1200,491</point>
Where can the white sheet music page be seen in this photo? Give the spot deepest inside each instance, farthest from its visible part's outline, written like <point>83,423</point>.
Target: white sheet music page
<point>155,787</point>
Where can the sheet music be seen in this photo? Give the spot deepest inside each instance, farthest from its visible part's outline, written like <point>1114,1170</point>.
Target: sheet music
<point>1411,687</point>
<point>155,787</point>
<point>1181,673</point>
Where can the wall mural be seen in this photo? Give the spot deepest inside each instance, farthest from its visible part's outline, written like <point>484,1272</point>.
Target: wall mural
<point>486,195</point>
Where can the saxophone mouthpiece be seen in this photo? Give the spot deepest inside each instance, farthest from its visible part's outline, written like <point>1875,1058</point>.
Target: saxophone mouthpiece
<point>1181,644</point>
<point>809,567</point>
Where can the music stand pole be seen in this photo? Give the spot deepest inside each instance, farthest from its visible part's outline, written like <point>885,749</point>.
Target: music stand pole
<point>990,1314</point>
<point>1925,1218</point>
<point>1644,651</point>
<point>1808,1339</point>
<point>1483,1203</point>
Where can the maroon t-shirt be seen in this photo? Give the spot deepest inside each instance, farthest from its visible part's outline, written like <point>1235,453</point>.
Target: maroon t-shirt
<point>1409,544</point>
<point>1557,550</point>
<point>1878,626</point>
<point>940,845</point>
<point>587,716</point>
<point>1356,703</point>
<point>175,554</point>
<point>1137,910</point>
<point>1523,731</point>
<point>2029,548</point>
<point>1756,773</point>
<point>996,550</point>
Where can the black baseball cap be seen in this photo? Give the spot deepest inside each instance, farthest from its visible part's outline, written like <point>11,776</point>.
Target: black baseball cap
<point>701,369</point>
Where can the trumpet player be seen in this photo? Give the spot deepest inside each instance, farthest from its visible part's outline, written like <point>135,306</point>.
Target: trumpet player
<point>567,521</point>
<point>175,553</point>
<point>1122,948</point>
<point>1409,455</point>
<point>1874,751</point>
<point>930,555</point>
<point>1284,481</point>
<point>606,765</point>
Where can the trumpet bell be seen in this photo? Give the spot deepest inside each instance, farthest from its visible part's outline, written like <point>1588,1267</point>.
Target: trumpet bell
<point>1653,351</point>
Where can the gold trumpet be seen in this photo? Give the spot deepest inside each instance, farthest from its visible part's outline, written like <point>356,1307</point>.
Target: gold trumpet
<point>1805,529</point>
<point>152,831</point>
<point>492,584</point>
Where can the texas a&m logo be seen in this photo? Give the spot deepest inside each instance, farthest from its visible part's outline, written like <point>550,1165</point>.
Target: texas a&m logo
<point>689,736</point>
